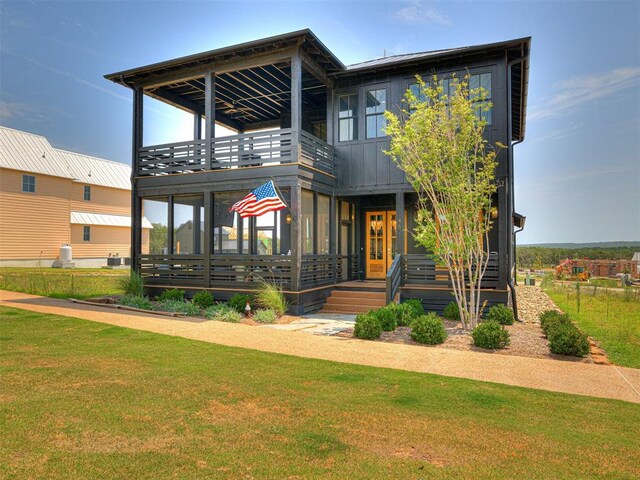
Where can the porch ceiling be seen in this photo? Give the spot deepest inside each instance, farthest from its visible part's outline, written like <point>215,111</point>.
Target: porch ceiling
<point>253,96</point>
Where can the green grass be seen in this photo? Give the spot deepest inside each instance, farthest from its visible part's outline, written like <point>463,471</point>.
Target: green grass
<point>612,318</point>
<point>86,400</point>
<point>50,282</point>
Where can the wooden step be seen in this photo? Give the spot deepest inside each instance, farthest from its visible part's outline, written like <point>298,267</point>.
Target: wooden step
<point>372,302</point>
<point>354,301</point>
<point>357,293</point>
<point>353,309</point>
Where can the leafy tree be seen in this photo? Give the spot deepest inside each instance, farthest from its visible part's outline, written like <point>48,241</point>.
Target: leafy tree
<point>438,142</point>
<point>157,239</point>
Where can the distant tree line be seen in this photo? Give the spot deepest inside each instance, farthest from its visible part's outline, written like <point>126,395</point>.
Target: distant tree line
<point>542,257</point>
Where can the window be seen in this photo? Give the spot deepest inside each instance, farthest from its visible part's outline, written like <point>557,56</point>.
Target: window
<point>86,233</point>
<point>418,92</point>
<point>348,117</point>
<point>28,183</point>
<point>87,193</point>
<point>188,224</point>
<point>157,211</point>
<point>324,206</point>
<point>483,106</point>
<point>308,214</point>
<point>374,115</point>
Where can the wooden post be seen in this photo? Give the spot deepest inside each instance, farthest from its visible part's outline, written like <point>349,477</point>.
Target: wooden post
<point>208,228</point>
<point>296,105</point>
<point>136,203</point>
<point>197,126</point>
<point>296,236</point>
<point>333,230</point>
<point>330,115</point>
<point>210,116</point>
<point>400,226</point>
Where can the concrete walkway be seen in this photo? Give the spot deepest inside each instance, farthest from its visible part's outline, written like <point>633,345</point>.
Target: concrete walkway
<point>568,377</point>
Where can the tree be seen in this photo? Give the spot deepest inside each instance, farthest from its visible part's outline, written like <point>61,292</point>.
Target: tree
<point>158,239</point>
<point>438,142</point>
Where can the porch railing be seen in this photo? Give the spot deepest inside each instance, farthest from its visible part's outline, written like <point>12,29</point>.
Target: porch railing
<point>273,147</point>
<point>246,271</point>
<point>421,270</point>
<point>172,269</point>
<point>394,278</point>
<point>319,270</point>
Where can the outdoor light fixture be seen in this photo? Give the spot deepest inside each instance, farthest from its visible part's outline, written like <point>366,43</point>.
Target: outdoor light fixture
<point>494,212</point>
<point>288,219</point>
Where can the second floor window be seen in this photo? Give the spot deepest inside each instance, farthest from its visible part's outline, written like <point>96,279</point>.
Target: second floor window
<point>87,193</point>
<point>348,117</point>
<point>86,233</point>
<point>29,183</point>
<point>418,92</point>
<point>376,105</point>
<point>483,81</point>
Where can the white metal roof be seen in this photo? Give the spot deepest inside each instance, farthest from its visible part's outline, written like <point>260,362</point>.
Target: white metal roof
<point>28,152</point>
<point>83,218</point>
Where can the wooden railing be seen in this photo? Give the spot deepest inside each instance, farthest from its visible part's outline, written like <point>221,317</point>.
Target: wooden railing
<point>172,269</point>
<point>418,269</point>
<point>273,147</point>
<point>248,270</point>
<point>319,270</point>
<point>394,278</point>
<point>316,153</point>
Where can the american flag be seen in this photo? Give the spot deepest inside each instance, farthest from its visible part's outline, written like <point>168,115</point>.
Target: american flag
<point>260,201</point>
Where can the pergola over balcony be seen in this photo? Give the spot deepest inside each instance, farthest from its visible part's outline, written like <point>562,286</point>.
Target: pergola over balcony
<point>280,83</point>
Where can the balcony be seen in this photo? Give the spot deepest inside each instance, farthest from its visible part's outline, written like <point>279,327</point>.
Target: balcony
<point>266,148</point>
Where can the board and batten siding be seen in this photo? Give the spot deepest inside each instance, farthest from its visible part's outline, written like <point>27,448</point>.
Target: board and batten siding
<point>33,225</point>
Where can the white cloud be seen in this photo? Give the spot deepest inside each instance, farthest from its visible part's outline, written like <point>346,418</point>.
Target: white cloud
<point>581,91</point>
<point>419,12</point>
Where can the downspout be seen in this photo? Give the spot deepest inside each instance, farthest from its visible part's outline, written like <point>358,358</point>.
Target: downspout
<point>511,144</point>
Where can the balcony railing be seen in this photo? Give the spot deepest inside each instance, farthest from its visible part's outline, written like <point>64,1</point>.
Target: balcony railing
<point>274,147</point>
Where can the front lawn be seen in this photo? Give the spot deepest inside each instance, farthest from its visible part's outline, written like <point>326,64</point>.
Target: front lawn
<point>62,283</point>
<point>86,400</point>
<point>611,317</point>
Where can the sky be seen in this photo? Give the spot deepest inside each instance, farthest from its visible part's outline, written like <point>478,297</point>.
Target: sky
<point>577,173</point>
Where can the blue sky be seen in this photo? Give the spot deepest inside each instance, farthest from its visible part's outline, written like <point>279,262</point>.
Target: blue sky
<point>577,173</point>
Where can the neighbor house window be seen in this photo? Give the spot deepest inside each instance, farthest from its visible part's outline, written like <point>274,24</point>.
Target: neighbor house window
<point>87,193</point>
<point>374,114</point>
<point>28,183</point>
<point>86,233</point>
<point>483,110</point>
<point>348,117</point>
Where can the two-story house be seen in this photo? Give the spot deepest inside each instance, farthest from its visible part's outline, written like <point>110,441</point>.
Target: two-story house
<point>316,127</point>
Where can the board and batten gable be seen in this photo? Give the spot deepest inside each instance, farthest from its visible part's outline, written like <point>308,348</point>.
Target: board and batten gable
<point>362,166</point>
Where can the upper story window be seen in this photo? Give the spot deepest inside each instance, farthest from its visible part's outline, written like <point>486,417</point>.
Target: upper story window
<point>87,193</point>
<point>28,183</point>
<point>482,80</point>
<point>86,233</point>
<point>418,92</point>
<point>374,114</point>
<point>348,117</point>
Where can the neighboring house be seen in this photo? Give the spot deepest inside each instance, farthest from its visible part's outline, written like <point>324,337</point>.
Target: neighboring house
<point>316,127</point>
<point>50,197</point>
<point>636,260</point>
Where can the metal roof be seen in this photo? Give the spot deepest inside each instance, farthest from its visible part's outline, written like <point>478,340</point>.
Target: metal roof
<point>28,152</point>
<point>84,218</point>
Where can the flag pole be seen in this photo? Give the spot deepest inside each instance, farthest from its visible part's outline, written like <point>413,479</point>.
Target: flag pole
<point>278,192</point>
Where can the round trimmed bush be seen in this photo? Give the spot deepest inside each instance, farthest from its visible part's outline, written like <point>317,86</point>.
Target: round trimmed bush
<point>367,327</point>
<point>387,317</point>
<point>413,309</point>
<point>451,312</point>
<point>550,323</point>
<point>566,339</point>
<point>172,294</point>
<point>428,329</point>
<point>239,301</point>
<point>490,336</point>
<point>203,299</point>
<point>500,314</point>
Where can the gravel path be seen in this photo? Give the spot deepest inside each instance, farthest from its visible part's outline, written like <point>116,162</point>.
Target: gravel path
<point>569,377</point>
<point>532,301</point>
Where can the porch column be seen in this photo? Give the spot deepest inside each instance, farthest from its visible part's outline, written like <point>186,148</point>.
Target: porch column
<point>296,236</point>
<point>333,232</point>
<point>210,115</point>
<point>206,248</point>
<point>296,105</point>
<point>400,226</point>
<point>197,126</point>
<point>136,203</point>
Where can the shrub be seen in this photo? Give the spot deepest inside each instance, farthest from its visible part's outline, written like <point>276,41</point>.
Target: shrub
<point>133,284</point>
<point>265,316</point>
<point>451,311</point>
<point>551,320</point>
<point>411,309</point>
<point>566,339</point>
<point>223,313</point>
<point>172,294</point>
<point>367,327</point>
<point>490,335</point>
<point>500,314</point>
<point>386,317</point>
<point>135,301</point>
<point>428,329</point>
<point>177,306</point>
<point>270,297</point>
<point>239,301</point>
<point>203,299</point>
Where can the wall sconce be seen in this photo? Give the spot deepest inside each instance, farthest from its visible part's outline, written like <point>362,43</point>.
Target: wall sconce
<point>288,219</point>
<point>494,212</point>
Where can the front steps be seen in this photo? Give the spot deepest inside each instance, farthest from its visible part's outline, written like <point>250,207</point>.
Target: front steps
<point>351,301</point>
